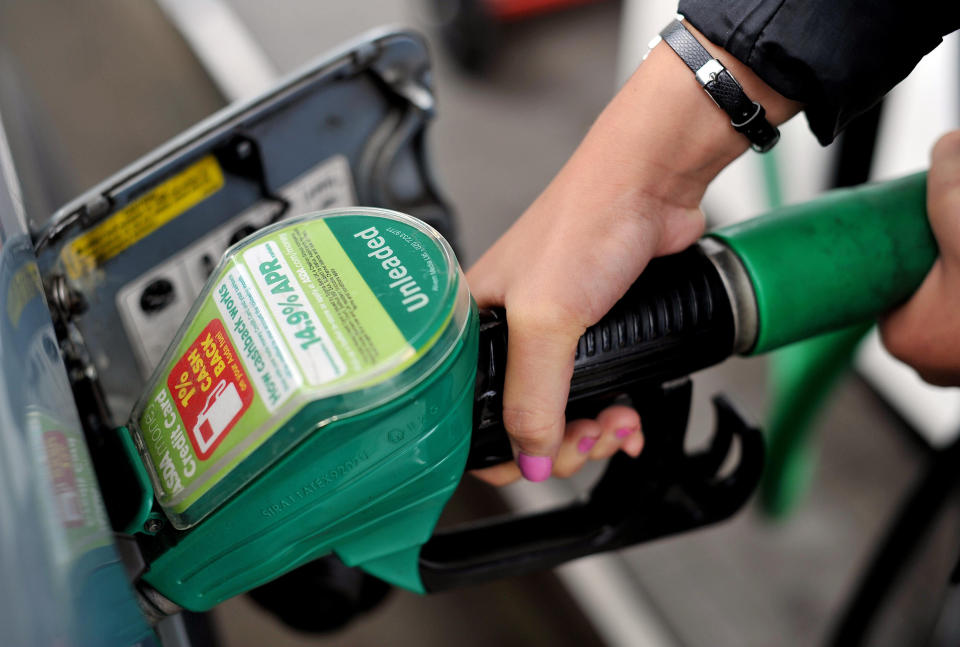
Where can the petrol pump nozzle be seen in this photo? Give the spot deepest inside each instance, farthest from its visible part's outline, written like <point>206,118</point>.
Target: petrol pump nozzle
<point>747,289</point>
<point>368,482</point>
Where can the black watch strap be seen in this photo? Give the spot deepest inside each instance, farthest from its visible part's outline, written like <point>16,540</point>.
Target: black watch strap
<point>747,117</point>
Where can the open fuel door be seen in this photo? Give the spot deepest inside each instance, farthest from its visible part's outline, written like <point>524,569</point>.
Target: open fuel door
<point>126,260</point>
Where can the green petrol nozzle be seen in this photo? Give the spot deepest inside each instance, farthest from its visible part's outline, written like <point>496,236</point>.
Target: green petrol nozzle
<point>317,399</point>
<point>334,381</point>
<point>303,325</point>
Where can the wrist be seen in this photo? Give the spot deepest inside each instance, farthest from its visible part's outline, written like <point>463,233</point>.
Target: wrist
<point>666,132</point>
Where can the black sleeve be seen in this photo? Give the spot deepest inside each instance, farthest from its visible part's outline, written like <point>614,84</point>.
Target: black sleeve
<point>837,57</point>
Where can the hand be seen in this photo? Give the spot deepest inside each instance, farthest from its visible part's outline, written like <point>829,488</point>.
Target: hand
<point>559,269</point>
<point>630,192</point>
<point>925,331</point>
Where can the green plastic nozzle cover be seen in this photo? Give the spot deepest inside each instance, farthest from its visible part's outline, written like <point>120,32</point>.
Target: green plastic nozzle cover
<point>318,399</point>
<point>846,257</point>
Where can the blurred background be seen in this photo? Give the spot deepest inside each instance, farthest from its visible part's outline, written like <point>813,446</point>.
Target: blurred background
<point>86,88</point>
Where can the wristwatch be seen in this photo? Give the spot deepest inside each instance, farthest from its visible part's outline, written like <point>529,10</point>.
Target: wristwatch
<point>746,116</point>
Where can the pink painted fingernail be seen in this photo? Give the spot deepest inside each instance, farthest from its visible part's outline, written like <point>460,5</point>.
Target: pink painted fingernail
<point>623,433</point>
<point>586,444</point>
<point>535,468</point>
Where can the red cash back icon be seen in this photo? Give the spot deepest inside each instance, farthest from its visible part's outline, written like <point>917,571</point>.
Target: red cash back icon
<point>210,389</point>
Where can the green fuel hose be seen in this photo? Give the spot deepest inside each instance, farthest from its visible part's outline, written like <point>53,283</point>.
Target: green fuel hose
<point>841,259</point>
<point>875,227</point>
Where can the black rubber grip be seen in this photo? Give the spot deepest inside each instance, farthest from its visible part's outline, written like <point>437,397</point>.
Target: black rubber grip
<point>674,320</point>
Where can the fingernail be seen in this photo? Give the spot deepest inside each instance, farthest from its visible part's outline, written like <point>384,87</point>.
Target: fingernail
<point>586,444</point>
<point>623,433</point>
<point>535,468</point>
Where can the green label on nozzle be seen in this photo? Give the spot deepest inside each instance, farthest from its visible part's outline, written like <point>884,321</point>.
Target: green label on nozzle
<point>311,309</point>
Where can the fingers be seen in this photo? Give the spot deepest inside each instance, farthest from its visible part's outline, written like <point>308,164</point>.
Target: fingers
<point>923,332</point>
<point>539,365</point>
<point>943,197</point>
<point>621,429</point>
<point>616,428</point>
<point>580,438</point>
<point>499,475</point>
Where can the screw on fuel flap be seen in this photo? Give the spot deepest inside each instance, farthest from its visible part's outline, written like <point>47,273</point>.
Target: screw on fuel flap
<point>152,526</point>
<point>157,295</point>
<point>66,300</point>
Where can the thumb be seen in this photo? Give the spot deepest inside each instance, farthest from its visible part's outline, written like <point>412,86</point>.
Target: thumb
<point>923,331</point>
<point>540,353</point>
<point>943,198</point>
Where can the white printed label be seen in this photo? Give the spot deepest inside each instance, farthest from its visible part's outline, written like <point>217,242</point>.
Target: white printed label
<point>308,339</point>
<point>256,338</point>
<point>325,186</point>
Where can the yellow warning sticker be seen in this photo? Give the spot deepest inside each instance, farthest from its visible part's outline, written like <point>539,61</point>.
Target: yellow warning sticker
<point>143,216</point>
<point>24,287</point>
